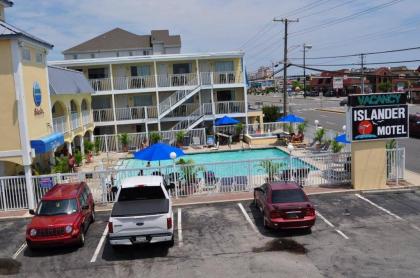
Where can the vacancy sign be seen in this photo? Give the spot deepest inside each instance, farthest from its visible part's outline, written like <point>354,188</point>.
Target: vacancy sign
<point>338,82</point>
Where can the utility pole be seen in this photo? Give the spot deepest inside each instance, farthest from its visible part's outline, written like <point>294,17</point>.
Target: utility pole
<point>305,46</point>
<point>286,22</point>
<point>362,71</point>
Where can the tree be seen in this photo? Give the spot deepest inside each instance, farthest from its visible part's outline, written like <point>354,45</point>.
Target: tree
<point>385,86</point>
<point>155,137</point>
<point>271,113</point>
<point>296,84</point>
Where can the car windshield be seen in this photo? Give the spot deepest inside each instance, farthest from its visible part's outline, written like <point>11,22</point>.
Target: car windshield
<point>287,196</point>
<point>57,207</point>
<point>141,193</point>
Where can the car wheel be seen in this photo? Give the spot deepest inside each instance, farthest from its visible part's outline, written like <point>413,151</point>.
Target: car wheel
<point>81,237</point>
<point>171,243</point>
<point>92,219</point>
<point>30,247</point>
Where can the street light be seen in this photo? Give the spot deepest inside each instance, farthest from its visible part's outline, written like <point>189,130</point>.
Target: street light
<point>305,46</point>
<point>290,148</point>
<point>316,122</point>
<point>344,128</point>
<point>172,155</point>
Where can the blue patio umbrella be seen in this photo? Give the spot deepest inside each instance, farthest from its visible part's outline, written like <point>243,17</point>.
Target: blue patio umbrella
<point>291,119</point>
<point>342,139</point>
<point>226,121</point>
<point>157,151</point>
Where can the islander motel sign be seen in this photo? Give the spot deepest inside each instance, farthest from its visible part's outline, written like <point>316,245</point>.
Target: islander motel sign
<point>378,116</point>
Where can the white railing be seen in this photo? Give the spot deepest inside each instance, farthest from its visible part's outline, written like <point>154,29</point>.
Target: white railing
<point>103,115</point>
<point>151,112</point>
<point>101,84</point>
<point>60,124</point>
<point>226,129</point>
<point>75,120</point>
<point>271,127</point>
<point>206,78</point>
<point>227,107</point>
<point>228,77</point>
<point>110,142</point>
<point>204,178</point>
<point>191,119</point>
<point>86,119</point>
<point>134,82</point>
<point>207,108</point>
<point>176,80</point>
<point>183,110</point>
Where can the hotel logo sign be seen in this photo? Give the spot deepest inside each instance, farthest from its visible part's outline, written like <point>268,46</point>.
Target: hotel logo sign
<point>37,95</point>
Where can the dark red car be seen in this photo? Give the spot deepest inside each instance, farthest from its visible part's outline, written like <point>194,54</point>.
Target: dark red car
<point>62,216</point>
<point>414,125</point>
<point>284,206</point>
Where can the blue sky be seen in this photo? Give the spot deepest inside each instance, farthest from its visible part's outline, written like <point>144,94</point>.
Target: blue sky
<point>222,25</point>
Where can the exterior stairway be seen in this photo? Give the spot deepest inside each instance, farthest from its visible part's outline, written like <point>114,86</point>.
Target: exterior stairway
<point>193,119</point>
<point>175,100</point>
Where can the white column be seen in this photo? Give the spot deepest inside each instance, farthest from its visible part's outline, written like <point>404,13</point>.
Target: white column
<point>213,107</point>
<point>245,94</point>
<point>82,145</point>
<point>114,111</point>
<point>29,186</point>
<point>198,73</point>
<point>111,77</point>
<point>68,145</point>
<point>157,92</point>
<point>92,138</point>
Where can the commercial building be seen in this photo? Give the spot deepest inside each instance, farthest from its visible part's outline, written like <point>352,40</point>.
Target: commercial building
<point>158,92</point>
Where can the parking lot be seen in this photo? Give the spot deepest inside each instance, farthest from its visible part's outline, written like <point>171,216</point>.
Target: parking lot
<point>356,235</point>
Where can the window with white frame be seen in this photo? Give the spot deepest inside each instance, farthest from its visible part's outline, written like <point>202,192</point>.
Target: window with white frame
<point>39,58</point>
<point>224,66</point>
<point>26,54</point>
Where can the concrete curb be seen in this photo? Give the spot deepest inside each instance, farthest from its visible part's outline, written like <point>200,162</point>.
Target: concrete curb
<point>330,110</point>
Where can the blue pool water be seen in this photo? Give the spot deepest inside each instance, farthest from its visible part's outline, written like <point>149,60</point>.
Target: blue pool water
<point>226,163</point>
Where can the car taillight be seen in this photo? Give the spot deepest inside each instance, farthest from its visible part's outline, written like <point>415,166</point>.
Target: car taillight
<point>275,214</point>
<point>169,223</point>
<point>310,212</point>
<point>110,227</point>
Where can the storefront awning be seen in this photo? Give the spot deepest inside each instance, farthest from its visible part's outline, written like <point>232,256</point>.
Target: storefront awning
<point>47,143</point>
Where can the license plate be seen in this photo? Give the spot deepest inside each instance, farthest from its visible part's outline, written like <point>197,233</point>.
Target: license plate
<point>293,215</point>
<point>141,239</point>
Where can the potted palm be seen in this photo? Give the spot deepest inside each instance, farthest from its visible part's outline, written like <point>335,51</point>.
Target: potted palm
<point>239,131</point>
<point>78,158</point>
<point>271,168</point>
<point>89,150</point>
<point>319,136</point>
<point>155,137</point>
<point>180,138</point>
<point>97,146</point>
<point>124,141</point>
<point>189,174</point>
<point>336,148</point>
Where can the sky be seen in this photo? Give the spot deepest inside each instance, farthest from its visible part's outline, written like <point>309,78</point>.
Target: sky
<point>225,25</point>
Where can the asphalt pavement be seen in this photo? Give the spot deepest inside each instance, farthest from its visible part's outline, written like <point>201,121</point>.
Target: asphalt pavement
<point>355,235</point>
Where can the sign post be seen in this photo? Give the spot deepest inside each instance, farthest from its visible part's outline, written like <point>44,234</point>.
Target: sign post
<point>373,119</point>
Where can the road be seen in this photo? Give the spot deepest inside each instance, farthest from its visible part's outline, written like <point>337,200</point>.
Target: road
<point>309,110</point>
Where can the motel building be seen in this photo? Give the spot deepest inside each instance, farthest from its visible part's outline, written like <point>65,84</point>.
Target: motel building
<point>142,83</point>
<point>44,110</point>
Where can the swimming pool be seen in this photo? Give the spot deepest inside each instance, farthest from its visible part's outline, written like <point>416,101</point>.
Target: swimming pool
<point>227,163</point>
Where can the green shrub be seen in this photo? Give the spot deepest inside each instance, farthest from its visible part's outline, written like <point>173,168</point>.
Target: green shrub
<point>336,147</point>
<point>319,135</point>
<point>88,146</point>
<point>180,136</point>
<point>78,158</point>
<point>301,127</point>
<point>124,140</point>
<point>97,146</point>
<point>155,137</point>
<point>61,165</point>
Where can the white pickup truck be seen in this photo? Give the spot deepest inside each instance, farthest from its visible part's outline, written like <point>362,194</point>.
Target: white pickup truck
<point>142,212</point>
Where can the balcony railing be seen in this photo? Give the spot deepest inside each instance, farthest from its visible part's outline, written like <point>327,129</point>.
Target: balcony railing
<point>102,84</point>
<point>167,80</point>
<point>60,124</point>
<point>207,109</point>
<point>136,113</point>
<point>134,82</point>
<point>86,117</point>
<point>75,120</point>
<point>103,115</point>
<point>226,107</point>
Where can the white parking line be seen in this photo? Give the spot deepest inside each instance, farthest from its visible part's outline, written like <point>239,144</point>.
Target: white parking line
<point>101,242</point>
<point>180,239</point>
<point>331,225</point>
<point>248,218</point>
<point>20,250</point>
<point>378,206</point>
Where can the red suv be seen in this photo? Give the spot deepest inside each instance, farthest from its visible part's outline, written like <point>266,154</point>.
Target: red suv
<point>284,206</point>
<point>62,216</point>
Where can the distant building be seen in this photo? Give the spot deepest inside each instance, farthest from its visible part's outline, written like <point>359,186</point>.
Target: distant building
<point>121,43</point>
<point>323,83</point>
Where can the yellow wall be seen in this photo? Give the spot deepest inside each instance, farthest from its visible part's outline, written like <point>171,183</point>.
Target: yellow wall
<point>368,165</point>
<point>38,125</point>
<point>9,127</point>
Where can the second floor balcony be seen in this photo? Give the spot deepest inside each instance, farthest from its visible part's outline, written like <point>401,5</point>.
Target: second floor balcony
<point>119,83</point>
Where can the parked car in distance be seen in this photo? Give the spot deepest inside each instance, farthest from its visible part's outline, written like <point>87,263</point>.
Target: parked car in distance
<point>62,216</point>
<point>343,102</point>
<point>312,94</point>
<point>414,125</point>
<point>142,212</point>
<point>284,206</point>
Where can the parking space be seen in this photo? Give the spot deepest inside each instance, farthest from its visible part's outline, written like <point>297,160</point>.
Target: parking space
<point>229,240</point>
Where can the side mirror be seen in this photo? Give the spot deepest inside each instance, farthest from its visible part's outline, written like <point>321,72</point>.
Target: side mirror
<point>114,189</point>
<point>31,212</point>
<point>170,186</point>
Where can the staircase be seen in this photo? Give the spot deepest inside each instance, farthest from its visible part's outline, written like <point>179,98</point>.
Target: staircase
<point>175,100</point>
<point>193,119</point>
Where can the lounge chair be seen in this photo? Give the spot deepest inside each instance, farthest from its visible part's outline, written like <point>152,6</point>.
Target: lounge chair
<point>196,143</point>
<point>210,141</point>
<point>216,147</point>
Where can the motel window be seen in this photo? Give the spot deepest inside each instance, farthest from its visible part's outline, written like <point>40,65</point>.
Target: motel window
<point>92,55</point>
<point>39,58</point>
<point>146,52</point>
<point>130,53</point>
<point>26,54</point>
<point>224,66</point>
<point>75,57</point>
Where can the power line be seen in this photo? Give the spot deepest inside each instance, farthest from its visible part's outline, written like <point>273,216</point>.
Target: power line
<point>358,64</point>
<point>346,18</point>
